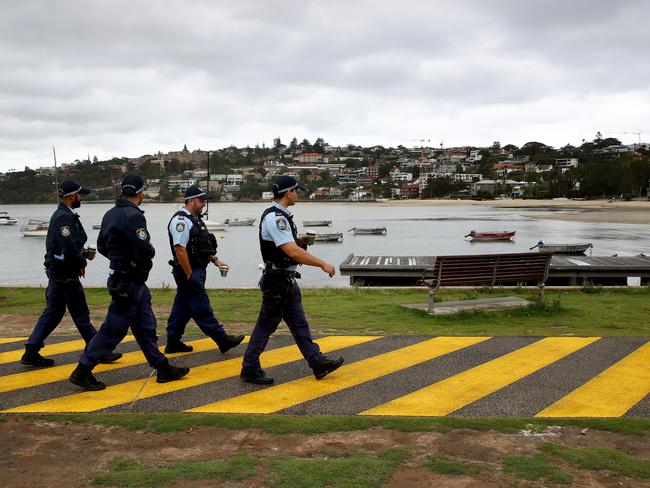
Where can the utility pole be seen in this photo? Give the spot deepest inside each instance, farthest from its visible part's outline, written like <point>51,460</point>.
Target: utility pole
<point>56,179</point>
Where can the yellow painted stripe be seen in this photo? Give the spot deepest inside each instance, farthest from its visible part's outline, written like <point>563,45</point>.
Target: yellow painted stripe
<point>42,376</point>
<point>452,393</point>
<point>51,349</point>
<point>7,340</point>
<point>610,394</point>
<point>269,400</point>
<point>90,401</point>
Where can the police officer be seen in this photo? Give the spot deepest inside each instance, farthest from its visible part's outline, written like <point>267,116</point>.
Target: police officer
<point>193,248</point>
<point>65,263</point>
<point>124,240</point>
<point>283,250</point>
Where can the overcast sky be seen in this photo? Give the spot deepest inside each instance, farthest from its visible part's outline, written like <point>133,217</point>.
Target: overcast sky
<point>126,78</point>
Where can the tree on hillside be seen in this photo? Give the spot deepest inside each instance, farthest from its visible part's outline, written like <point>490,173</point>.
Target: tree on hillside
<point>319,145</point>
<point>533,149</point>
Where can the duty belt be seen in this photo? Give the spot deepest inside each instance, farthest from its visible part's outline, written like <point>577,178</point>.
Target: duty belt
<point>283,273</point>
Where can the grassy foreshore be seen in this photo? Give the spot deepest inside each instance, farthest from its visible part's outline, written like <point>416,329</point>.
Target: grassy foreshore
<point>585,311</point>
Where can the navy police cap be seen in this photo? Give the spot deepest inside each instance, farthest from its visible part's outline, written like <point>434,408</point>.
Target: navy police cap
<point>285,183</point>
<point>196,192</point>
<point>68,188</point>
<point>132,185</point>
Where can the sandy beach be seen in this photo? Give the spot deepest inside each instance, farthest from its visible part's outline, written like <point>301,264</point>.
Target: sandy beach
<point>596,211</point>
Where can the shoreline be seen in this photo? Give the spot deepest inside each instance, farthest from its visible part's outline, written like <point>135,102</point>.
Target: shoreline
<point>588,211</point>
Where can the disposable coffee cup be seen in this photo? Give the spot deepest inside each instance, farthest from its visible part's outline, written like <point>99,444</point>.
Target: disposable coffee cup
<point>91,252</point>
<point>311,238</point>
<point>224,270</point>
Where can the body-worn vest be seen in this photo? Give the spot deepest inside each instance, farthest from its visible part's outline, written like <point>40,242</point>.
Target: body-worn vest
<point>202,243</point>
<point>68,262</point>
<point>272,253</point>
<point>129,255</point>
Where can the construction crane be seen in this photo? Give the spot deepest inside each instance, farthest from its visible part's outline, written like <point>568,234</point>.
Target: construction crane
<point>638,134</point>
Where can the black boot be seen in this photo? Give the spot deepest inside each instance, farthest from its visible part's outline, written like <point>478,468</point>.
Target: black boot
<point>168,372</point>
<point>82,376</point>
<point>110,358</point>
<point>227,343</point>
<point>326,366</point>
<point>33,358</point>
<point>258,378</point>
<point>176,345</point>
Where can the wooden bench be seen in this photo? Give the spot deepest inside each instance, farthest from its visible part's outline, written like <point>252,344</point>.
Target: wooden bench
<point>487,270</point>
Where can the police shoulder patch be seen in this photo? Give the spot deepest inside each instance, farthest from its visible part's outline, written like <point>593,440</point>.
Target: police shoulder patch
<point>281,223</point>
<point>65,230</point>
<point>180,226</point>
<point>141,233</point>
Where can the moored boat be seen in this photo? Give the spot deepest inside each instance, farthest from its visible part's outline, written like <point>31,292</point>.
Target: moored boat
<point>368,230</point>
<point>240,222</point>
<point>504,235</point>
<point>97,226</point>
<point>6,220</point>
<point>212,225</point>
<point>576,248</point>
<point>329,237</point>
<point>316,223</point>
<point>35,228</point>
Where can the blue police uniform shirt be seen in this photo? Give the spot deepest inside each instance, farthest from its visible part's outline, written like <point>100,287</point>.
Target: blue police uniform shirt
<point>179,228</point>
<point>276,228</point>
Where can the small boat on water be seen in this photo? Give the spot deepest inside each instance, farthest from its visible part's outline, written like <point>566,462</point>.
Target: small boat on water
<point>212,225</point>
<point>577,248</point>
<point>504,235</point>
<point>97,226</point>
<point>329,237</point>
<point>35,228</point>
<point>366,231</point>
<point>316,223</point>
<point>6,220</point>
<point>240,222</point>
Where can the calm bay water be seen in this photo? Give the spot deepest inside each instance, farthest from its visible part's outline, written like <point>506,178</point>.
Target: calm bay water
<point>412,230</point>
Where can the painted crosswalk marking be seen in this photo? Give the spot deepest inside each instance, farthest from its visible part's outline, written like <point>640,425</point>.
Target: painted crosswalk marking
<point>610,394</point>
<point>286,395</point>
<point>126,392</point>
<point>44,376</point>
<point>7,340</point>
<point>51,349</point>
<point>455,392</point>
<point>618,385</point>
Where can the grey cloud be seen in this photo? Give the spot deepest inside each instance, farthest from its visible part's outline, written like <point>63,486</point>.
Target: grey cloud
<point>166,72</point>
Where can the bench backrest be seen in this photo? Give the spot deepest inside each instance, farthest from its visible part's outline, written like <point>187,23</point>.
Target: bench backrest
<point>489,269</point>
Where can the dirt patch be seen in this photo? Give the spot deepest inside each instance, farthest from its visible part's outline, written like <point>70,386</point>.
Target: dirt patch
<point>35,453</point>
<point>19,325</point>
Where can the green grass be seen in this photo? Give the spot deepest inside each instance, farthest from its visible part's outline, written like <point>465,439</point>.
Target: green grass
<point>345,471</point>
<point>284,424</point>
<point>129,473</point>
<point>534,468</point>
<point>444,465</point>
<point>578,312</point>
<point>599,458</point>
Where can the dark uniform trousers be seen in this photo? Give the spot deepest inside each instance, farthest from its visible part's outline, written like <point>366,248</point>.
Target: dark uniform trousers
<point>192,302</point>
<point>267,322</point>
<point>60,295</point>
<point>137,314</point>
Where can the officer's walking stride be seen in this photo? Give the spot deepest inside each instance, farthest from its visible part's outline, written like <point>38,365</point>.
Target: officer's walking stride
<point>193,247</point>
<point>283,250</point>
<point>65,263</point>
<point>124,240</point>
